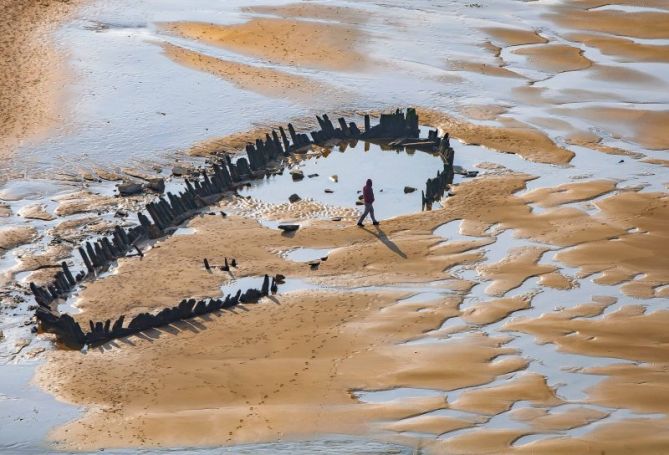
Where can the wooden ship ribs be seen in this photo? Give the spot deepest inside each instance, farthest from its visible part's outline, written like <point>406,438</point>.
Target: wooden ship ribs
<point>398,129</point>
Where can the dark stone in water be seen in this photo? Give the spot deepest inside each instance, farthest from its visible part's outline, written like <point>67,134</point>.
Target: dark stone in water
<point>178,171</point>
<point>328,190</point>
<point>156,184</point>
<point>297,174</point>
<point>128,189</point>
<point>409,189</point>
<point>294,198</point>
<point>289,227</point>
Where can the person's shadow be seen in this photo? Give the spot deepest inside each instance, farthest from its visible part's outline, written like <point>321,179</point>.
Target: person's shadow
<point>392,246</point>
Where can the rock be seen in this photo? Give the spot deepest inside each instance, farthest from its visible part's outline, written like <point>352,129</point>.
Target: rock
<point>178,171</point>
<point>409,189</point>
<point>336,218</point>
<point>314,264</point>
<point>296,174</point>
<point>358,202</point>
<point>360,198</point>
<point>311,176</point>
<point>294,198</point>
<point>2,335</point>
<point>324,258</point>
<point>289,227</point>
<point>156,184</point>
<point>280,279</point>
<point>334,178</point>
<point>128,189</point>
<point>120,213</point>
<point>328,190</point>
<point>472,173</point>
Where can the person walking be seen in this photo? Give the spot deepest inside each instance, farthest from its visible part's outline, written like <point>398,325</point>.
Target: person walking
<point>368,199</point>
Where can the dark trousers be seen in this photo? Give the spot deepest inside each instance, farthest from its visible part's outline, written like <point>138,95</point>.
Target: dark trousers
<point>369,209</point>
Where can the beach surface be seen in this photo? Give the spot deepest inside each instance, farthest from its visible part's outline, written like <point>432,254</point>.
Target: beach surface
<point>526,312</point>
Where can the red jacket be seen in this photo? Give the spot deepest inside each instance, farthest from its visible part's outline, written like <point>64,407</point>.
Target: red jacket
<point>368,194</point>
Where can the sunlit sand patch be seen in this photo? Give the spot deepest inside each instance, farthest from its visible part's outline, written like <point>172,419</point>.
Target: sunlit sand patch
<point>646,127</point>
<point>623,75</point>
<point>624,48</point>
<point>496,399</point>
<point>514,36</point>
<point>280,41</point>
<point>482,111</point>
<point>13,236</point>
<point>477,441</point>
<point>569,192</point>
<point>542,420</point>
<point>512,271</point>
<point>627,436</point>
<point>315,355</point>
<point>541,96</point>
<point>658,161</point>
<point>495,310</point>
<point>300,210</point>
<point>431,424</point>
<point>32,71</point>
<point>311,11</point>
<point>594,142</point>
<point>36,211</point>
<point>265,81</point>
<point>551,123</point>
<point>643,388</point>
<point>526,141</point>
<point>631,253</point>
<point>639,25</point>
<point>555,58</point>
<point>482,68</point>
<point>627,333</point>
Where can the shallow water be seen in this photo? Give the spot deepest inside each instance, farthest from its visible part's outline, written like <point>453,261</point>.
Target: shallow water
<point>390,171</point>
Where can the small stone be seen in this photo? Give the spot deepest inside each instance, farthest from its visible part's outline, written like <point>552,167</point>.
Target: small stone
<point>178,171</point>
<point>128,189</point>
<point>328,190</point>
<point>156,184</point>
<point>334,178</point>
<point>314,264</point>
<point>358,202</point>
<point>280,278</point>
<point>296,174</point>
<point>294,198</point>
<point>324,258</point>
<point>121,213</point>
<point>336,218</point>
<point>409,189</point>
<point>289,227</point>
<point>472,173</point>
<point>311,176</point>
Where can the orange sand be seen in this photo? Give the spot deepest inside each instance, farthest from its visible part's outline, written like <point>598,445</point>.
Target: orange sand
<point>282,41</point>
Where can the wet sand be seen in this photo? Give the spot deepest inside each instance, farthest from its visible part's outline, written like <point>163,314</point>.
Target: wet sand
<point>32,72</point>
<point>265,81</point>
<point>282,41</point>
<point>527,142</point>
<point>555,58</point>
<point>456,336</point>
<point>323,345</point>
